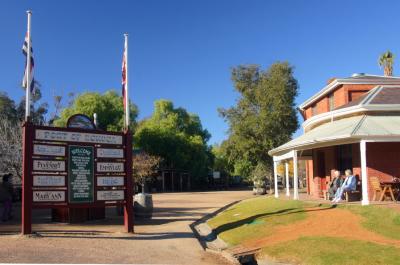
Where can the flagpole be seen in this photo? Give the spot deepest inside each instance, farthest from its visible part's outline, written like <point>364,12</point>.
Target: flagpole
<point>126,84</point>
<point>28,70</point>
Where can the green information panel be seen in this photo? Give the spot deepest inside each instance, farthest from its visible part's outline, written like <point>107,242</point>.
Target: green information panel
<point>80,173</point>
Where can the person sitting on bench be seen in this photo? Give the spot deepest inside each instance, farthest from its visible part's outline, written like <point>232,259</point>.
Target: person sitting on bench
<point>335,184</point>
<point>349,184</point>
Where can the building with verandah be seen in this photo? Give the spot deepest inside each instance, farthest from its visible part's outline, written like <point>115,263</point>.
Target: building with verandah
<point>351,123</point>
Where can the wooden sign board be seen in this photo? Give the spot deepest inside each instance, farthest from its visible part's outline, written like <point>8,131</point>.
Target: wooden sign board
<point>72,167</point>
<point>80,173</point>
<point>48,150</point>
<point>110,167</point>
<point>110,153</point>
<point>110,181</point>
<point>80,137</point>
<point>48,165</point>
<point>110,195</point>
<point>50,181</point>
<point>49,196</point>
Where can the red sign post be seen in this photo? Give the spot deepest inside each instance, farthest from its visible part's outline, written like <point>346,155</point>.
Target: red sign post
<point>75,168</point>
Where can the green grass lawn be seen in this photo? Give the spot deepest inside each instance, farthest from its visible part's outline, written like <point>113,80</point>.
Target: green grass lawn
<point>383,221</point>
<point>255,218</point>
<point>329,250</point>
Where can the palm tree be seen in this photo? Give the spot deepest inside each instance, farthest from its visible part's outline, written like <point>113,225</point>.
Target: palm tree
<point>386,61</point>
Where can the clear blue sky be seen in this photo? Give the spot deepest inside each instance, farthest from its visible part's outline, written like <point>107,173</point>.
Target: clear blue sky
<point>183,50</point>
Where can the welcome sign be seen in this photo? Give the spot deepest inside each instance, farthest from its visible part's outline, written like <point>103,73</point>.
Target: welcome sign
<point>80,173</point>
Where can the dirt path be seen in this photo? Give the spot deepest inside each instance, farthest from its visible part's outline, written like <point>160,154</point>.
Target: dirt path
<point>166,239</point>
<point>331,222</point>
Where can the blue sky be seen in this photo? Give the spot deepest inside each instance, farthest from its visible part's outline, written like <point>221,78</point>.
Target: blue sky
<point>183,50</point>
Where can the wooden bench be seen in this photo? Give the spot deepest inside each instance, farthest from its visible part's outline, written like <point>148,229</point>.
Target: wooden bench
<point>354,195</point>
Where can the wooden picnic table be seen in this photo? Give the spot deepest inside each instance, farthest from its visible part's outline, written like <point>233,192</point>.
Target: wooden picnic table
<point>388,187</point>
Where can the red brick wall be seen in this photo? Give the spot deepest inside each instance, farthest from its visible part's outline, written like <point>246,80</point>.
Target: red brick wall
<point>383,160</point>
<point>309,174</point>
<point>356,159</point>
<point>342,95</point>
<point>318,179</point>
<point>339,96</point>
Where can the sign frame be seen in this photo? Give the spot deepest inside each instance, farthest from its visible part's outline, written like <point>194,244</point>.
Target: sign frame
<point>94,139</point>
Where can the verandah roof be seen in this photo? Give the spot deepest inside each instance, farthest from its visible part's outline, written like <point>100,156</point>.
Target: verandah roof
<point>344,131</point>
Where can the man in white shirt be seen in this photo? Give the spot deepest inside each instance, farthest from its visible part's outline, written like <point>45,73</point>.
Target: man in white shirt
<point>349,184</point>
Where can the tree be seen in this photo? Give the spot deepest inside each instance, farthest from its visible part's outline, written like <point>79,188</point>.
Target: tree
<point>221,162</point>
<point>264,116</point>
<point>259,175</point>
<point>7,107</point>
<point>38,109</point>
<point>10,146</point>
<point>108,106</point>
<point>281,168</point>
<point>143,167</point>
<point>386,61</point>
<point>178,137</point>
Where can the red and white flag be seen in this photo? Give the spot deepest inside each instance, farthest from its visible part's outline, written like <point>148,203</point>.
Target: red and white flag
<point>124,78</point>
<point>28,82</point>
<point>31,80</point>
<point>125,96</point>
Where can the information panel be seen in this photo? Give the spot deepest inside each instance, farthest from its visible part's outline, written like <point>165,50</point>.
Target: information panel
<point>80,173</point>
<point>49,196</point>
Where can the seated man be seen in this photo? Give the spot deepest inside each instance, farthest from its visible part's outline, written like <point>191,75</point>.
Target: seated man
<point>336,183</point>
<point>349,184</point>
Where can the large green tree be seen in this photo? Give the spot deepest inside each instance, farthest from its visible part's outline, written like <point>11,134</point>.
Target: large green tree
<point>263,118</point>
<point>7,107</point>
<point>178,137</point>
<point>108,106</point>
<point>221,161</point>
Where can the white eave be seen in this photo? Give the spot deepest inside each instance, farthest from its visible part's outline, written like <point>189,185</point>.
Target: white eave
<point>333,115</point>
<point>366,79</point>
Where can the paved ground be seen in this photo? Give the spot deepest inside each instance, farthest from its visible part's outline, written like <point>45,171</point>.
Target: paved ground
<point>166,239</point>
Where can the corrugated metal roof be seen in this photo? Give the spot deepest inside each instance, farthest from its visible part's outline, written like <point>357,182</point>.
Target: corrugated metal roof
<point>343,131</point>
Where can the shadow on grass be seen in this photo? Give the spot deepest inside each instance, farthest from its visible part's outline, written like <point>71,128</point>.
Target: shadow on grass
<point>249,220</point>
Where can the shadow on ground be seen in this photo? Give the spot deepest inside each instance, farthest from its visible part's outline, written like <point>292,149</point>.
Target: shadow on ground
<point>161,215</point>
<point>251,219</point>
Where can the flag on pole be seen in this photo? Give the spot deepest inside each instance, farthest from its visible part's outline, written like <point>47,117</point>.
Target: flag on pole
<point>31,80</point>
<point>28,81</point>
<point>125,95</point>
